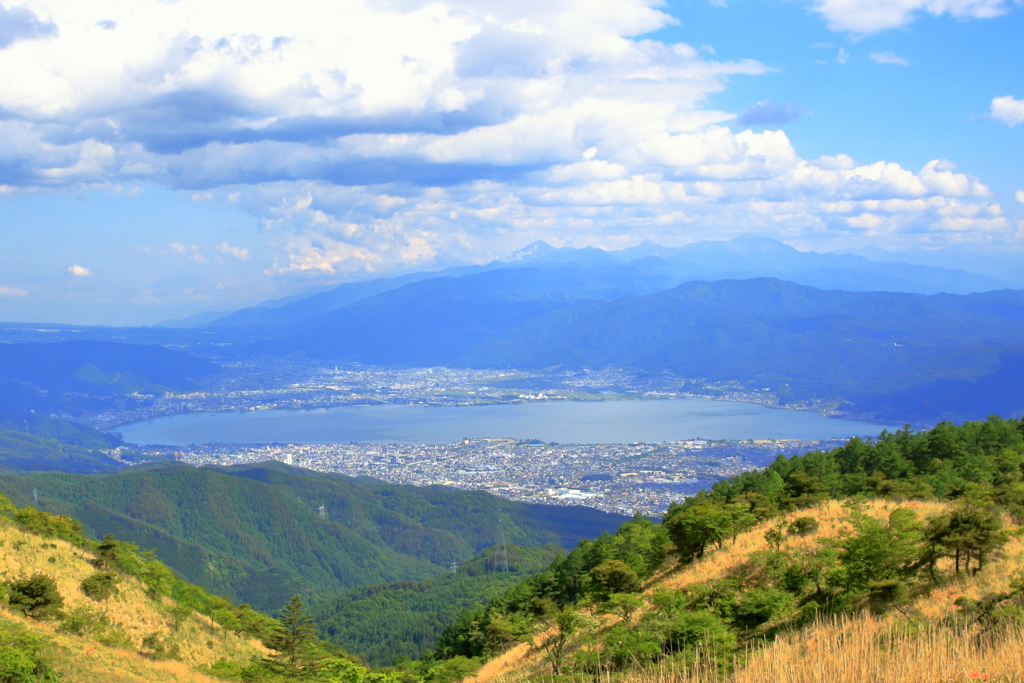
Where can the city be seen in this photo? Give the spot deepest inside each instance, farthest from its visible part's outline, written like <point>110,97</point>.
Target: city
<point>626,479</point>
<point>280,384</point>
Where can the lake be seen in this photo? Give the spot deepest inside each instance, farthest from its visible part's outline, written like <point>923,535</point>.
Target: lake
<point>550,421</point>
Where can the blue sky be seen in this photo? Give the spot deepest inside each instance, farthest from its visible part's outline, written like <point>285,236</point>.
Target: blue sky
<point>162,158</point>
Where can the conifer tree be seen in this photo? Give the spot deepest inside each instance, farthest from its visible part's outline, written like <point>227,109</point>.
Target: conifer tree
<point>293,641</point>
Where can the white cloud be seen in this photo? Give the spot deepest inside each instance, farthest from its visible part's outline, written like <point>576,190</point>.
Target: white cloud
<point>13,292</point>
<point>871,16</point>
<point>888,58</point>
<point>1019,196</point>
<point>76,270</point>
<point>375,136</point>
<point>1008,110</point>
<point>239,253</point>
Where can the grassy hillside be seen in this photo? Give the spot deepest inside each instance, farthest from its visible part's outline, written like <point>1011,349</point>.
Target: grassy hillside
<point>932,635</point>
<point>99,640</point>
<point>253,532</point>
<point>903,553</point>
<point>388,622</point>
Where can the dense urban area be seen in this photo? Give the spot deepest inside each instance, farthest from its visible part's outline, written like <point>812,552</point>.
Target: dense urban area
<point>620,478</point>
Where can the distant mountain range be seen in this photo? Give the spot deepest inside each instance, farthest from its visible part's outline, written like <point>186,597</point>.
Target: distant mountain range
<point>644,269</point>
<point>889,340</point>
<point>891,355</point>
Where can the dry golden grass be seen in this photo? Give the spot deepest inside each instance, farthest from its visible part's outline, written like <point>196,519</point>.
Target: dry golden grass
<point>857,649</point>
<point>132,611</point>
<point>869,650</point>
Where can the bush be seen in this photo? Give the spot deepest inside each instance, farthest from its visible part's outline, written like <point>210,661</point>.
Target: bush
<point>84,620</point>
<point>624,648</point>
<point>452,670</point>
<point>155,647</point>
<point>24,656</point>
<point>699,635</point>
<point>761,605</point>
<point>100,585</point>
<point>803,526</point>
<point>223,668</point>
<point>35,597</point>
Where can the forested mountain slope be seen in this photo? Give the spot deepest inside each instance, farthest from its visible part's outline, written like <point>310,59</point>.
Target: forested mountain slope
<point>392,621</point>
<point>920,529</point>
<point>254,532</point>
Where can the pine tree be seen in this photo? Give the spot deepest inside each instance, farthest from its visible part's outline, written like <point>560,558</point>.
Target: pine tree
<point>294,641</point>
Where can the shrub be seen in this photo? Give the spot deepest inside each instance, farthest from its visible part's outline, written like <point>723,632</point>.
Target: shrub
<point>697,635</point>
<point>84,620</point>
<point>155,647</point>
<point>35,597</point>
<point>100,585</point>
<point>24,656</point>
<point>760,605</point>
<point>625,648</point>
<point>452,670</point>
<point>803,526</point>
<point>223,668</point>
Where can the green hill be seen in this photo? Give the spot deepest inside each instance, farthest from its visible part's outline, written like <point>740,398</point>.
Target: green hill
<point>920,529</point>
<point>401,620</point>
<point>254,532</point>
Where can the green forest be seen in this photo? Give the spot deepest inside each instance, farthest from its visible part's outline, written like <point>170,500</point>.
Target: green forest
<point>390,622</point>
<point>254,532</point>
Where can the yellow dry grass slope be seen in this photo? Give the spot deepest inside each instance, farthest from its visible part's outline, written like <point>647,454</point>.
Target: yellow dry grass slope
<point>855,649</point>
<point>131,611</point>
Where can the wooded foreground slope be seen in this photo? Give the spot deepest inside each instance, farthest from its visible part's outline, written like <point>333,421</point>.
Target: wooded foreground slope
<point>907,547</point>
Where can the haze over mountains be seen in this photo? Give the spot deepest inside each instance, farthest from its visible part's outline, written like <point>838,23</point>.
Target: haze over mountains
<point>885,340</point>
<point>647,268</point>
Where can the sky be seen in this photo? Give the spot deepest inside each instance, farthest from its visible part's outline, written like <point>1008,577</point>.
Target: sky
<point>159,158</point>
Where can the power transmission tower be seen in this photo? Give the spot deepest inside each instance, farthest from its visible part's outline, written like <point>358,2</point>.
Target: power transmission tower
<point>455,567</point>
<point>35,495</point>
<point>323,511</point>
<point>504,550</point>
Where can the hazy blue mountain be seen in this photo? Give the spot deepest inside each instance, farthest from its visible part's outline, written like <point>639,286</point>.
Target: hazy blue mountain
<point>654,266</point>
<point>73,375</point>
<point>254,531</point>
<point>863,347</point>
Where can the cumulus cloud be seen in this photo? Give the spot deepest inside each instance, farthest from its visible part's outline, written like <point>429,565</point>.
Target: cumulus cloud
<point>21,23</point>
<point>76,270</point>
<point>888,58</point>
<point>1008,110</point>
<point>767,113</point>
<point>871,16</point>
<point>13,292</point>
<point>1019,196</point>
<point>369,137</point>
<point>239,253</point>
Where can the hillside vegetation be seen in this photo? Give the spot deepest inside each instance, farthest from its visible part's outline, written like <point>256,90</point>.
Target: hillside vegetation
<point>388,622</point>
<point>253,532</point>
<point>899,558</point>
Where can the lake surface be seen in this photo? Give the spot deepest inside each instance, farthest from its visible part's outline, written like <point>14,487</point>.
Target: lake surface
<point>555,421</point>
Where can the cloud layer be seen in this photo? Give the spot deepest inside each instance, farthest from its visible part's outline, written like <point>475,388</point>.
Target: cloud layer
<point>871,16</point>
<point>372,136</point>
